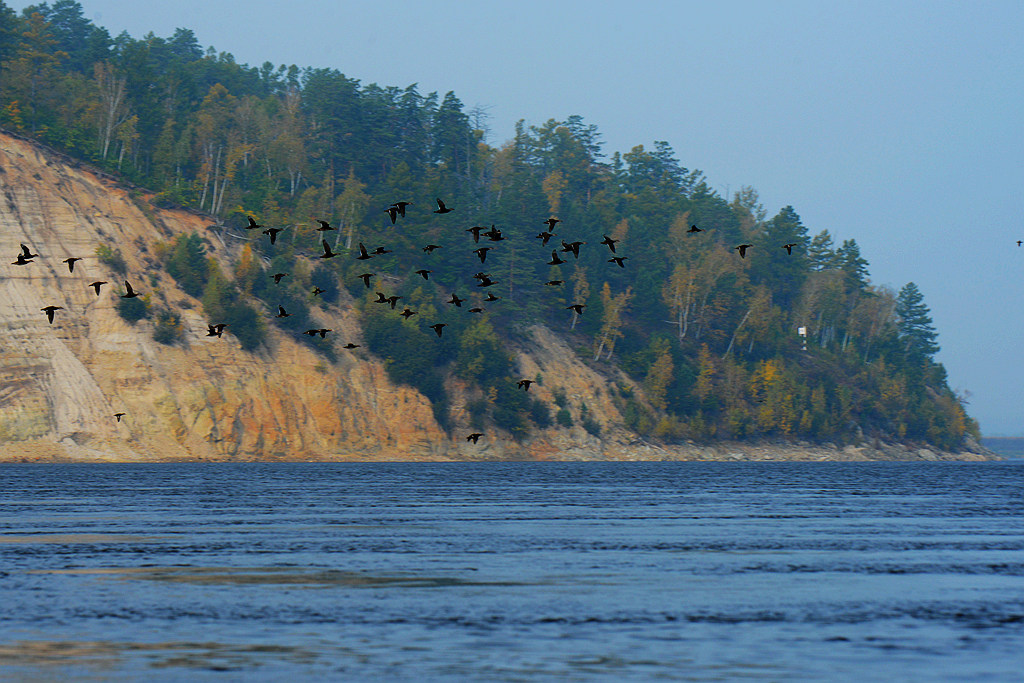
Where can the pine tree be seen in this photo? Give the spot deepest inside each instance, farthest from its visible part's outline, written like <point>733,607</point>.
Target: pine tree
<point>851,263</point>
<point>914,325</point>
<point>821,253</point>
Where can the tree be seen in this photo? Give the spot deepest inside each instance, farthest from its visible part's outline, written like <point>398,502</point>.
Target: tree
<point>850,262</point>
<point>913,324</point>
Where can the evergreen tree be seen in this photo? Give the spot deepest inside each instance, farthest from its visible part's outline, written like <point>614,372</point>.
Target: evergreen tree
<point>821,253</point>
<point>850,262</point>
<point>914,325</point>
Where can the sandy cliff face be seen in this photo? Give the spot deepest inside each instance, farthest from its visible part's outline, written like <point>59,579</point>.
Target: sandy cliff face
<point>61,384</point>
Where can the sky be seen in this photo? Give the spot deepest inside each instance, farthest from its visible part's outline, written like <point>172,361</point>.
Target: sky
<point>898,124</point>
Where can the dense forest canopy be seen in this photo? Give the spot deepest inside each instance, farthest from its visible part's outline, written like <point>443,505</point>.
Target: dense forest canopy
<point>710,337</point>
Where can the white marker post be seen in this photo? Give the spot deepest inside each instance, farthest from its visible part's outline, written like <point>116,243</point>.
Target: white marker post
<point>802,331</point>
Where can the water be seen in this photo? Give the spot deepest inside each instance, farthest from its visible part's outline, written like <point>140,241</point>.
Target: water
<point>513,572</point>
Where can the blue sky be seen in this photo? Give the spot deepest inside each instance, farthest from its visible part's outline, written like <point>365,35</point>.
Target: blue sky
<point>898,124</point>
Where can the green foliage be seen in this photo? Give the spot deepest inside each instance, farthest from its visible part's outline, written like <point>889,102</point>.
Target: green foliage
<point>132,310</point>
<point>187,264</point>
<point>167,328</point>
<point>914,322</point>
<point>112,258</point>
<point>563,417</point>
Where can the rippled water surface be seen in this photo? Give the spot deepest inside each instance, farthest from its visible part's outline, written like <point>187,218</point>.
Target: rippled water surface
<point>513,571</point>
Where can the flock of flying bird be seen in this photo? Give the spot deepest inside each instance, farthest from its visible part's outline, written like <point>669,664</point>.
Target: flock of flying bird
<point>395,211</point>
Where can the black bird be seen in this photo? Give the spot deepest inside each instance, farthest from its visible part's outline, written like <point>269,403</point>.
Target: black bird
<point>119,416</point>
<point>21,260</point>
<point>381,299</point>
<point>544,237</point>
<point>327,251</point>
<point>273,233</point>
<point>694,228</point>
<point>96,285</point>
<point>216,330</point>
<point>27,253</point>
<point>401,207</point>
<point>253,225</point>
<point>362,253</point>
<point>277,277</point>
<point>425,273</point>
<point>350,346</point>
<point>407,313</point>
<point>281,313</point>
<point>494,234</point>
<point>49,312</point>
<point>578,308</point>
<point>490,297</point>
<point>71,263</point>
<point>574,247</point>
<point>476,232</point>
<point>474,437</point>
<point>476,309</point>
<point>609,242</point>
<point>365,277</point>
<point>437,327</point>
<point>742,249</point>
<point>554,283</point>
<point>789,247</point>
<point>129,293</point>
<point>456,300</point>
<point>618,260</point>
<point>482,253</point>
<point>1020,242</point>
<point>551,223</point>
<point>317,291</point>
<point>393,300</point>
<point>392,212</point>
<point>486,281</point>
<point>554,259</point>
<point>480,276</point>
<point>322,332</point>
<point>324,226</point>
<point>380,251</point>
<point>441,208</point>
<point>524,384</point>
<point>430,247</point>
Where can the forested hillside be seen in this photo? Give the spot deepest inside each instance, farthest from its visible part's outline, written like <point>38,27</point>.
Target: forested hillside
<point>709,334</point>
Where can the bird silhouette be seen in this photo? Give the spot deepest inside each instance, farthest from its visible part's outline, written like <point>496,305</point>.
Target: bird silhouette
<point>609,242</point>
<point>490,297</point>
<point>1020,242</point>
<point>401,207</point>
<point>544,237</point>
<point>430,247</point>
<point>441,208</point>
<point>380,251</point>
<point>524,384</point>
<point>215,330</point>
<point>456,300</point>
<point>437,327</point>
<point>253,225</point>
<point>694,228</point>
<point>551,223</point>
<point>554,283</point>
<point>129,292</point>
<point>474,437</point>
<point>407,313</point>
<point>574,247</point>
<point>424,272</point>
<point>324,226</point>
<point>317,291</point>
<point>486,281</point>
<point>277,277</point>
<point>350,346</point>
<point>365,277</point>
<point>789,247</point>
<point>21,260</point>
<point>273,233</point>
<point>393,300</point>
<point>327,251</point>
<point>362,253</point>
<point>381,299</point>
<point>493,234</point>
<point>96,285</point>
<point>281,313</point>
<point>742,249</point>
<point>482,253</point>
<point>476,232</point>
<point>619,260</point>
<point>476,309</point>
<point>392,212</point>
<point>27,253</point>
<point>321,331</point>
<point>71,263</point>
<point>578,308</point>
<point>119,416</point>
<point>555,260</point>
<point>49,310</point>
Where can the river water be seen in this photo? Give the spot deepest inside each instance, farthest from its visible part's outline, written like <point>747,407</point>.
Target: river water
<point>513,572</point>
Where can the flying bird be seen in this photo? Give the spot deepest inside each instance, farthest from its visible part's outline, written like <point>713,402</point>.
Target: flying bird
<point>350,346</point>
<point>609,242</point>
<point>474,437</point>
<point>476,309</point>
<point>327,251</point>
<point>401,207</point>
<point>317,291</point>
<point>476,232</point>
<point>71,263</point>
<point>380,251</point>
<point>742,249</point>
<point>618,260</point>
<point>362,253</point>
<point>21,260</point>
<point>694,228</point>
<point>407,313</point>
<point>555,260</point>
<point>365,277</point>
<point>253,225</point>
<point>789,247</point>
<point>216,330</point>
<point>456,300</point>
<point>49,310</point>
<point>578,308</point>
<point>278,276</point>
<point>96,285</point>
<point>493,234</point>
<point>524,384</point>
<point>425,273</point>
<point>574,247</point>
<point>322,332</point>
<point>129,292</point>
<point>441,208</point>
<point>273,233</point>
<point>393,300</point>
<point>544,237</point>
<point>486,281</point>
<point>281,313</point>
<point>490,297</point>
<point>554,283</point>
<point>381,299</point>
<point>430,247</point>
<point>551,223</point>
<point>27,253</point>
<point>482,253</point>
<point>437,327</point>
<point>324,226</point>
<point>392,212</point>
<point>119,416</point>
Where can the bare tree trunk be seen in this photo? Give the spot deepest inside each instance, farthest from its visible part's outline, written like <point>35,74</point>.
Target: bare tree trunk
<point>737,331</point>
